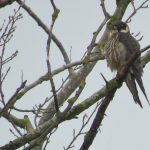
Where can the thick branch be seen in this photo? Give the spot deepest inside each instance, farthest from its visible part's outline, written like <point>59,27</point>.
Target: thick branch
<point>12,119</point>
<point>4,3</point>
<point>145,59</point>
<point>90,135</point>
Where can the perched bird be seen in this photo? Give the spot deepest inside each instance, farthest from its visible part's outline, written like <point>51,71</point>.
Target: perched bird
<point>120,47</point>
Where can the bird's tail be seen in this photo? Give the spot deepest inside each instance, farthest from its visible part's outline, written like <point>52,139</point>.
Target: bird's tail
<point>140,83</point>
<point>130,82</point>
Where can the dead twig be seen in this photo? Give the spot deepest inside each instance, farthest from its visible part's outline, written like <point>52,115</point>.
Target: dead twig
<point>6,34</point>
<point>137,9</point>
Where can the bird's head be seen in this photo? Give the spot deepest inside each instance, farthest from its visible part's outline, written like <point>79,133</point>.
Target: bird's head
<point>120,26</point>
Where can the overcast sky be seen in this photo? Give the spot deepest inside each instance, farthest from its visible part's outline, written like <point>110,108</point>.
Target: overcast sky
<point>126,126</point>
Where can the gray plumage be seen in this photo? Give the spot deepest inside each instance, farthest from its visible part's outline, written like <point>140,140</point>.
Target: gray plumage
<point>120,47</point>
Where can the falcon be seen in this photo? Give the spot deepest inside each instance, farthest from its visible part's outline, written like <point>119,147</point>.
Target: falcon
<point>119,48</point>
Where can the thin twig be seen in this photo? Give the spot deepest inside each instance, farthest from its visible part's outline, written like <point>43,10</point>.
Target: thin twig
<point>15,127</point>
<point>54,17</point>
<point>145,49</point>
<point>21,110</point>
<point>132,3</point>
<point>48,99</point>
<point>95,34</point>
<point>7,34</point>
<point>90,135</point>
<point>10,58</point>
<point>137,9</point>
<point>48,138</point>
<point>84,124</point>
<point>4,76</point>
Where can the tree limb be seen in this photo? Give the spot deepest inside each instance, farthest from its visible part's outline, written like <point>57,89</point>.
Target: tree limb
<point>4,3</point>
<point>12,100</point>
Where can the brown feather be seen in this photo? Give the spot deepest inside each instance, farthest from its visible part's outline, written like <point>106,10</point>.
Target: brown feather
<point>117,53</point>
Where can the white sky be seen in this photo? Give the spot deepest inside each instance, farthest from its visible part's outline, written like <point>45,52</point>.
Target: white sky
<point>126,125</point>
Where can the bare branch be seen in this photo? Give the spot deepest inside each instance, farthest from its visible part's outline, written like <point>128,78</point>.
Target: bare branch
<point>10,58</point>
<point>90,135</point>
<point>6,35</point>
<point>132,3</point>
<point>95,34</point>
<point>10,27</point>
<point>13,133</point>
<point>53,4</point>
<point>48,138</point>
<point>137,9</point>
<point>72,100</point>
<point>84,123</point>
<point>11,101</point>
<point>146,58</point>
<point>54,17</point>
<point>13,119</point>
<point>106,14</point>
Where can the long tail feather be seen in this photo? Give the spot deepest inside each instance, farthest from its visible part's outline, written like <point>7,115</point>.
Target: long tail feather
<point>140,83</point>
<point>130,82</point>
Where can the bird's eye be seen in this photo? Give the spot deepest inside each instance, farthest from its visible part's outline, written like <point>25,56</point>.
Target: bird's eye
<point>125,29</point>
